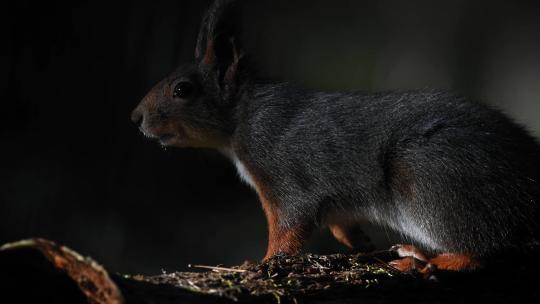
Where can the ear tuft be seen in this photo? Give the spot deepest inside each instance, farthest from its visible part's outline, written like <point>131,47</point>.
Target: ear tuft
<point>217,28</point>
<point>217,49</point>
<point>231,75</point>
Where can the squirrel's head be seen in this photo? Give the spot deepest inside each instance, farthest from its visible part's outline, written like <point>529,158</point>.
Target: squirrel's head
<point>194,106</point>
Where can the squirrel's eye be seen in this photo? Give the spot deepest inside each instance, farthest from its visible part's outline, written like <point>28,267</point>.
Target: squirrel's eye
<point>183,89</point>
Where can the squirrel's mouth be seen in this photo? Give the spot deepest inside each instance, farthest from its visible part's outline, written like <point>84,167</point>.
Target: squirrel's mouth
<point>166,139</point>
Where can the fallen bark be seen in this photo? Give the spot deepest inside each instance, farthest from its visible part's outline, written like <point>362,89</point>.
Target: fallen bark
<point>40,271</point>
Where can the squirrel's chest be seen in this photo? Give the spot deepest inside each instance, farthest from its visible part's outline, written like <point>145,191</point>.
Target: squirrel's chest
<point>243,172</point>
<point>240,168</point>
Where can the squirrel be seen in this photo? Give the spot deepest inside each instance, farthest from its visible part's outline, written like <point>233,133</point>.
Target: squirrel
<point>459,179</point>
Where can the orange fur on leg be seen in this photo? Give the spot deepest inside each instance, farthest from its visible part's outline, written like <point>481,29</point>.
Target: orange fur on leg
<point>409,251</point>
<point>352,237</point>
<point>283,240</point>
<point>412,258</point>
<point>407,264</point>
<point>289,240</point>
<point>452,262</point>
<point>340,235</point>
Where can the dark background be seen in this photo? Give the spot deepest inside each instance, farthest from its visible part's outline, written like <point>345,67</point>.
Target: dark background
<point>75,170</point>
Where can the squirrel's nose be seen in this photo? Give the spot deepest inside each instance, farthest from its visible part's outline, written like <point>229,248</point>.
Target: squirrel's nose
<point>137,116</point>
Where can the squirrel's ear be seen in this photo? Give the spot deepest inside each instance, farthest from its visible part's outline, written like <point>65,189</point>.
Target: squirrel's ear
<point>216,49</point>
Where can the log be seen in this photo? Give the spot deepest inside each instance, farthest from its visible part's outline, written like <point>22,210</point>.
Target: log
<point>40,271</point>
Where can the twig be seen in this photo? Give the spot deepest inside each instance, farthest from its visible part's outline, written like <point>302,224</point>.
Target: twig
<point>387,266</point>
<point>193,285</point>
<point>216,268</point>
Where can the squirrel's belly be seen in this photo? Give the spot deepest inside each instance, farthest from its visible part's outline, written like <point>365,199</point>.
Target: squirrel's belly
<point>415,231</point>
<point>412,228</point>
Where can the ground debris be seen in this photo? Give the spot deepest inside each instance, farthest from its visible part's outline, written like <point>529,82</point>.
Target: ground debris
<point>39,271</point>
<point>285,277</point>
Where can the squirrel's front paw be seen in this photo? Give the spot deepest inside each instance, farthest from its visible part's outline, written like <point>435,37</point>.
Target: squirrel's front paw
<point>412,258</point>
<point>404,251</point>
<point>407,264</point>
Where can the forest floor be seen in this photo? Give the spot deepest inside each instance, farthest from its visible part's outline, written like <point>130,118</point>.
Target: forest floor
<point>41,271</point>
